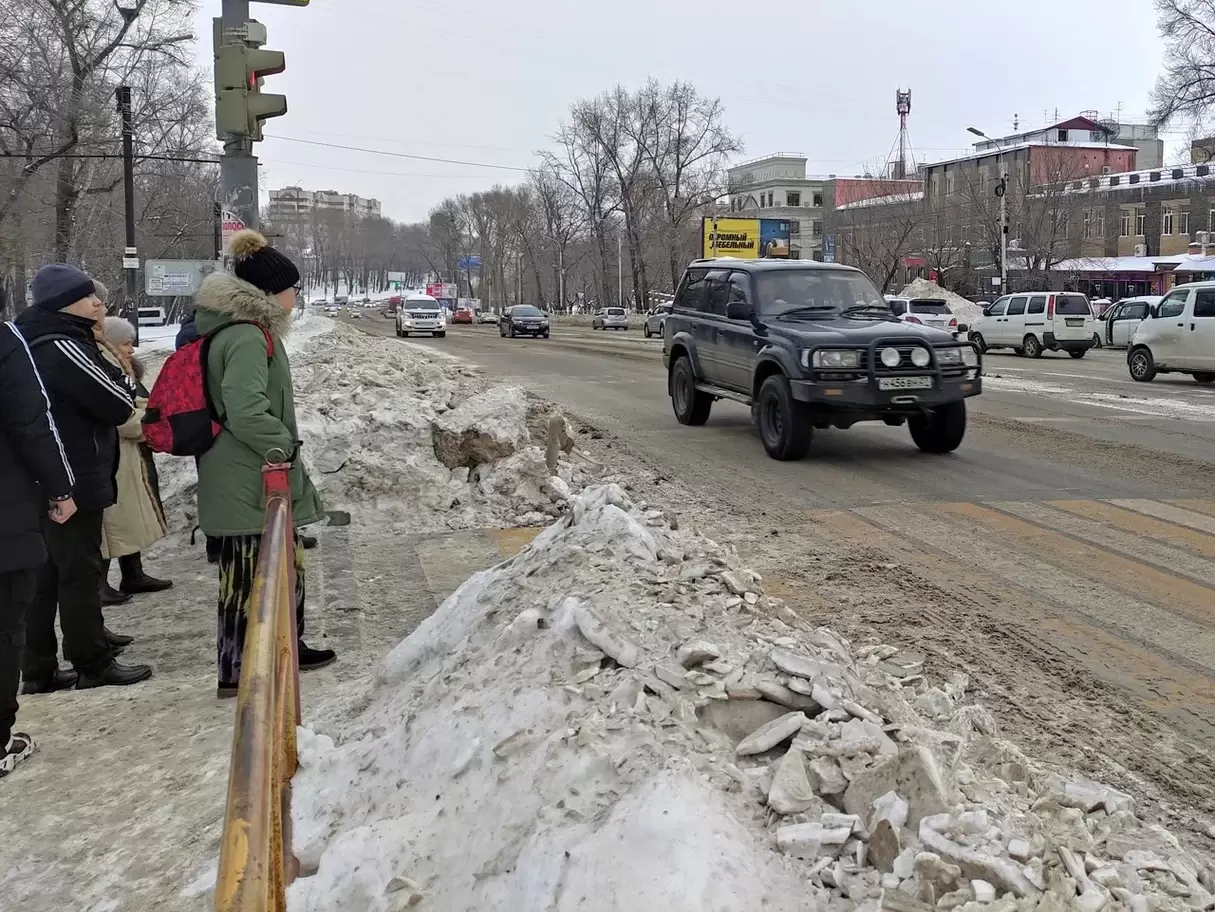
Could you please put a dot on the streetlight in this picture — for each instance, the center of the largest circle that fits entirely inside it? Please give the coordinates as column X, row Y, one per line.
column 1002, row 195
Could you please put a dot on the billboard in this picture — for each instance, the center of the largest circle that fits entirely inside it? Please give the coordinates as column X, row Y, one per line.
column 745, row 238
column 443, row 292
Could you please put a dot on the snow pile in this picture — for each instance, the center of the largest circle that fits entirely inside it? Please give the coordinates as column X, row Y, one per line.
column 417, row 437
column 964, row 310
column 620, row 718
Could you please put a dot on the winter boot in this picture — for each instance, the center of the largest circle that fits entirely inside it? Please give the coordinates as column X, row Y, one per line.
column 213, row 548
column 134, row 580
column 114, row 675
column 60, row 680
column 308, row 542
column 109, row 595
column 20, row 746
column 117, row 641
column 311, row 659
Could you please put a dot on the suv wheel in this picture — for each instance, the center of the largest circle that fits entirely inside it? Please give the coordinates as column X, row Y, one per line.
column 645, row 329
column 1204, row 377
column 784, row 425
column 691, row 406
column 941, row 430
column 1142, row 365
column 1078, row 352
column 1032, row 347
column 979, row 342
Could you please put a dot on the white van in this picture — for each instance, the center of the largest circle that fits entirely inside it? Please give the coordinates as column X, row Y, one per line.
column 1116, row 327
column 1178, row 336
column 1034, row 322
column 151, row 316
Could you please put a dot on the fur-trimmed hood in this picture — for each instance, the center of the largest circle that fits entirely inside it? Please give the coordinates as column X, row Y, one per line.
column 224, row 298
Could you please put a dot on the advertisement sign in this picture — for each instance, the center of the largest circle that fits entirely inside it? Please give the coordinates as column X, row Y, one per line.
column 829, row 248
column 173, row 278
column 228, row 227
column 747, row 239
column 445, row 292
column 470, row 262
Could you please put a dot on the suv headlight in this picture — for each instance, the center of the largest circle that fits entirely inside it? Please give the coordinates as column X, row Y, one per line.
column 833, row 358
column 964, row 356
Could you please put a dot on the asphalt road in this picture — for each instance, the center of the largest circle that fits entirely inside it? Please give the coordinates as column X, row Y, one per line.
column 1063, row 558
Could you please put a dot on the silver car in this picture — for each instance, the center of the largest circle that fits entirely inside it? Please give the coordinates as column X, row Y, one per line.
column 611, row 318
column 656, row 323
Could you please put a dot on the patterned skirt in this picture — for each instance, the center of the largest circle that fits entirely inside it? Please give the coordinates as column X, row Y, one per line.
column 237, row 564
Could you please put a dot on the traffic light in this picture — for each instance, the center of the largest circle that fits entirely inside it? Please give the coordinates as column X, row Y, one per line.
column 240, row 104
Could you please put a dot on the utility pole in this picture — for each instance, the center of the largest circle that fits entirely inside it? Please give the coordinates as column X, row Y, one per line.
column 620, row 269
column 1002, row 193
column 130, row 257
column 560, row 280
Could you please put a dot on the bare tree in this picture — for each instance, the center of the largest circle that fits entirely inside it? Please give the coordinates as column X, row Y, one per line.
column 876, row 234
column 1186, row 88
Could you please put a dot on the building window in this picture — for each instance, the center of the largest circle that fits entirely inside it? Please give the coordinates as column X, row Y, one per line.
column 1211, row 223
column 1141, row 222
column 1099, row 224
column 1169, row 218
column 1062, row 136
column 1125, row 230
column 793, row 199
column 1088, row 224
column 816, row 227
column 769, row 198
column 818, row 201
column 1183, row 222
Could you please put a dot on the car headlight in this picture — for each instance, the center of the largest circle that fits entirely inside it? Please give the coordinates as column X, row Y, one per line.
column 920, row 357
column 833, row 359
column 891, row 357
column 951, row 357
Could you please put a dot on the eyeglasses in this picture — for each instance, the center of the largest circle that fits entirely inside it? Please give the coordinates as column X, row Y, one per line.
column 298, row 288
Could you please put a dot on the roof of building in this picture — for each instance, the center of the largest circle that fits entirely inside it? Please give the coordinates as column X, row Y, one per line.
column 913, row 196
column 1181, row 263
column 1164, row 177
column 1069, row 144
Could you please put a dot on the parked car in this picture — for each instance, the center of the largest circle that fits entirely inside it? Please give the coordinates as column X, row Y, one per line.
column 462, row 315
column 523, row 320
column 810, row 345
column 1178, row 336
column 1031, row 323
column 420, row 313
column 610, row 318
column 487, row 316
column 656, row 322
column 1116, row 327
column 333, row 309
column 932, row 312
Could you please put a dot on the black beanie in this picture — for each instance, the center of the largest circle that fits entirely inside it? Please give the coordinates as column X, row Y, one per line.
column 259, row 264
column 58, row 285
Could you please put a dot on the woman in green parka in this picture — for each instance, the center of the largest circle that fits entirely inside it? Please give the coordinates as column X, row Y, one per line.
column 254, row 402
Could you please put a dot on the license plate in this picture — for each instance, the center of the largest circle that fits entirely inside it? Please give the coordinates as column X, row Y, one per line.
column 1074, row 322
column 904, row 383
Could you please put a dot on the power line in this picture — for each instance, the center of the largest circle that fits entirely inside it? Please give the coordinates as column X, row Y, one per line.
column 113, row 156
column 428, row 158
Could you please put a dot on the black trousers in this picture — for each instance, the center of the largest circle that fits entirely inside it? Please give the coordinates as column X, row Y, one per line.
column 16, row 595
column 70, row 582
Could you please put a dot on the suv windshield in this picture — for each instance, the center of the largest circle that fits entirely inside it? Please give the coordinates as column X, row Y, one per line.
column 929, row 307
column 1072, row 305
column 830, row 291
column 526, row 310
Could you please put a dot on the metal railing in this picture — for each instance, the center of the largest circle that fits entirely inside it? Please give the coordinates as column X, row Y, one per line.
column 255, row 860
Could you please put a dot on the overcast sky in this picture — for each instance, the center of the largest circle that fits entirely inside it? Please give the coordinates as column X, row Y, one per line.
column 487, row 82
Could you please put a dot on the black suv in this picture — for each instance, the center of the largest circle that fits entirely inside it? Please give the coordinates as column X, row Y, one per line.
column 811, row 345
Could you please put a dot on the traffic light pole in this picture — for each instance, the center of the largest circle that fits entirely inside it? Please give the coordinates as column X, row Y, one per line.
column 237, row 164
column 130, row 259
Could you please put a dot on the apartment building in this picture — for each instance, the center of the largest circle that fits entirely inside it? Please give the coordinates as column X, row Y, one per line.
column 776, row 187
column 296, row 203
column 1087, row 128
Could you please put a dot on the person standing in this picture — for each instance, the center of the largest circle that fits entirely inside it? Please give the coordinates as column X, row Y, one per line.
column 137, row 519
column 35, row 482
column 249, row 384
column 90, row 399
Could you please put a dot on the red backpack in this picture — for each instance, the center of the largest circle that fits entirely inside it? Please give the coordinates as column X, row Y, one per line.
column 180, row 418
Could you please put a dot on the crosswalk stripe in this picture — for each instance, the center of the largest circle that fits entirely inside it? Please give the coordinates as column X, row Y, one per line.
column 1165, row 659
column 1083, row 560
column 1163, row 557
column 1169, row 513
column 1175, row 535
column 1206, row 507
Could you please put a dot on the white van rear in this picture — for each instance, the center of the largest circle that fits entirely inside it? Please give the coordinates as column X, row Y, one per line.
column 1034, row 322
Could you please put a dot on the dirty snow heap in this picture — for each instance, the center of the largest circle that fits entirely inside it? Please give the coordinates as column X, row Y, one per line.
column 620, row 718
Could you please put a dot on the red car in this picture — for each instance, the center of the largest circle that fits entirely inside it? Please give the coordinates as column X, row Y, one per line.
column 462, row 315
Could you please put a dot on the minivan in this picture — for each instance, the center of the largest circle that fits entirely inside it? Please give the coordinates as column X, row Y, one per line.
column 1178, row 336
column 1034, row 322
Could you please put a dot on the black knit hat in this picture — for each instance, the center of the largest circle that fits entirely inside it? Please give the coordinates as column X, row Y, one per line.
column 58, row 285
column 259, row 264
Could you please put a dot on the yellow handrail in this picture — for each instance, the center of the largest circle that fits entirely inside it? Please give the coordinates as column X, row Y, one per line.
column 255, row 859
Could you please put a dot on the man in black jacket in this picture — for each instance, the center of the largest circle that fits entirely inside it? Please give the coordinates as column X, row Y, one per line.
column 89, row 399
column 35, row 482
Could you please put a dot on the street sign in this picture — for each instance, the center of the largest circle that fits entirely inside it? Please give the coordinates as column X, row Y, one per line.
column 173, row 278
column 470, row 262
column 130, row 262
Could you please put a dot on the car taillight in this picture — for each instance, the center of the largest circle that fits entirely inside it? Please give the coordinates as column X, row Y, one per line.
column 1050, row 308
column 915, row 320
column 953, row 322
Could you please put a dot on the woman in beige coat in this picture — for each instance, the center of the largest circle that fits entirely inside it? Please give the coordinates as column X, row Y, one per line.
column 137, row 519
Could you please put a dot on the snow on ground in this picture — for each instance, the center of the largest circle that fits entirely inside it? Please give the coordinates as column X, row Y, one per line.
column 620, row 718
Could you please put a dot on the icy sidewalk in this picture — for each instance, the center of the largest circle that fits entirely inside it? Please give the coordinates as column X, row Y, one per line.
column 620, row 718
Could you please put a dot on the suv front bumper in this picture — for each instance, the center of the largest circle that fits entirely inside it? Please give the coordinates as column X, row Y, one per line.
column 864, row 394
